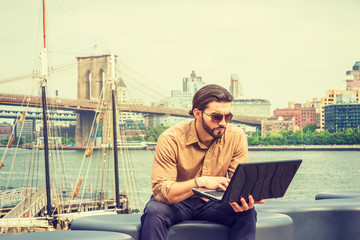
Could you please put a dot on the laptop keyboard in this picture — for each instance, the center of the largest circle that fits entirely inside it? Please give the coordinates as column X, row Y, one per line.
column 215, row 193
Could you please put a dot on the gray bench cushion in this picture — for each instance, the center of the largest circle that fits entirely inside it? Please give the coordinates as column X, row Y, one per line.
column 321, row 220
column 125, row 223
column 269, row 226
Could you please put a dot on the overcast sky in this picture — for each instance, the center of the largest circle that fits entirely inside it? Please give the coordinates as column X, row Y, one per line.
column 281, row 50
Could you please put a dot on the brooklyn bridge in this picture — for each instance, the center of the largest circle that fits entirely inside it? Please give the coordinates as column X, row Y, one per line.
column 90, row 85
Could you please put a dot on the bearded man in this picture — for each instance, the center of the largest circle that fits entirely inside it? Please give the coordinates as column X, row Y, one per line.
column 203, row 152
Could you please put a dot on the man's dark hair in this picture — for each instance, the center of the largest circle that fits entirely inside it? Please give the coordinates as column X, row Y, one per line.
column 210, row 93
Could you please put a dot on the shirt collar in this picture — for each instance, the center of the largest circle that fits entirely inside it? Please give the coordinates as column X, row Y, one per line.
column 193, row 137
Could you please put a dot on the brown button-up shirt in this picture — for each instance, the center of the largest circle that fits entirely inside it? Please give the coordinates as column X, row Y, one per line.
column 180, row 156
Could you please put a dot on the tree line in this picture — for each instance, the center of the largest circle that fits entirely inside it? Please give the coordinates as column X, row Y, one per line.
column 307, row 136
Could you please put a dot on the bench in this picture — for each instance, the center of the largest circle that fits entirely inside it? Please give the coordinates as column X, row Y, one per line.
column 270, row 226
column 322, row 220
column 62, row 235
column 337, row 194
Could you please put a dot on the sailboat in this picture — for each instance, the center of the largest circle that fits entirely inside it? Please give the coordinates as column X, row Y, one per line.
column 57, row 203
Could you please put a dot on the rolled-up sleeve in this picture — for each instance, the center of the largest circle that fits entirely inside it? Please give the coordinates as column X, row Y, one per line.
column 164, row 171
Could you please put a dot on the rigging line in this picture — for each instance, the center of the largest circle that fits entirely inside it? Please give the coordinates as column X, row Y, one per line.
column 14, row 157
column 124, row 165
column 31, row 75
column 79, row 23
column 148, row 91
column 111, row 164
column 132, row 178
column 101, row 162
column 39, row 30
column 31, row 167
column 102, row 174
column 55, row 172
column 11, row 136
column 99, row 107
column 72, row 53
column 142, row 76
column 135, row 80
column 107, row 176
column 129, row 175
column 27, row 161
column 99, row 175
column 17, row 78
column 60, row 157
column 62, row 164
column 63, row 67
column 144, row 92
column 85, row 181
column 54, row 153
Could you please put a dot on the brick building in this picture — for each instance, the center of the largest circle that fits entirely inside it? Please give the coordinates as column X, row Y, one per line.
column 275, row 125
column 303, row 115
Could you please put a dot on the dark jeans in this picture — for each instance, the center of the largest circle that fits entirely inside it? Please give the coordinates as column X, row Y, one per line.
column 158, row 217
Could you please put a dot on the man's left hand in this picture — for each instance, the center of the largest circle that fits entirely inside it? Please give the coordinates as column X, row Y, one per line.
column 245, row 206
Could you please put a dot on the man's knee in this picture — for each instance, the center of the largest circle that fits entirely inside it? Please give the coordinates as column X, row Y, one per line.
column 155, row 211
column 155, row 208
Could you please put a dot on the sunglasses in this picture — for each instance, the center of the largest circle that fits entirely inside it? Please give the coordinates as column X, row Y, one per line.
column 217, row 118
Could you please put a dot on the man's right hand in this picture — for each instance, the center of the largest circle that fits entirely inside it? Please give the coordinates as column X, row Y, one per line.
column 213, row 182
column 181, row 190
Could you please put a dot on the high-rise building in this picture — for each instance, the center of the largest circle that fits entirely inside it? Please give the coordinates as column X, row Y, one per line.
column 353, row 77
column 236, row 87
column 247, row 106
column 331, row 99
column 193, row 83
column 180, row 99
column 343, row 115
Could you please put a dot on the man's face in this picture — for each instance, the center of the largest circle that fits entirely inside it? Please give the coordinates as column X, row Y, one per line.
column 211, row 116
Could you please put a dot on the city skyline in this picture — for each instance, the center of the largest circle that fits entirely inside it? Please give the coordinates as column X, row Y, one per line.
column 280, row 51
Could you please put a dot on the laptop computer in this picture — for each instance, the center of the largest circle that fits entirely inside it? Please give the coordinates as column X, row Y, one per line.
column 263, row 180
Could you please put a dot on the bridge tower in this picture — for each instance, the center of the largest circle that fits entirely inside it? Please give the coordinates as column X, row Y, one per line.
column 93, row 81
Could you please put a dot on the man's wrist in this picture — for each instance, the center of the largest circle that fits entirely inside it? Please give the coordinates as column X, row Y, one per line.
column 196, row 182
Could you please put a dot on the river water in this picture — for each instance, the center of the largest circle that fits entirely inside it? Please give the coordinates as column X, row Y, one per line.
column 320, row 170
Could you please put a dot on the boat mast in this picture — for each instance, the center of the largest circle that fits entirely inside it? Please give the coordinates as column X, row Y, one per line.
column 116, row 167
column 43, row 80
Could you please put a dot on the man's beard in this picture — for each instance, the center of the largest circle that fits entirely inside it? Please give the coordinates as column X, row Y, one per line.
column 211, row 132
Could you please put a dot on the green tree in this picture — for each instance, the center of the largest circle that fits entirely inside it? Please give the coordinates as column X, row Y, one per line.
column 310, row 127
column 135, row 138
column 154, row 133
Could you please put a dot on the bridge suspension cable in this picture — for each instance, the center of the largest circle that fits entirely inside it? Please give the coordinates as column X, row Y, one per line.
column 140, row 83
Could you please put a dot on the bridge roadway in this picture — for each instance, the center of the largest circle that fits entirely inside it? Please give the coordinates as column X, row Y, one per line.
column 62, row 116
column 91, row 105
